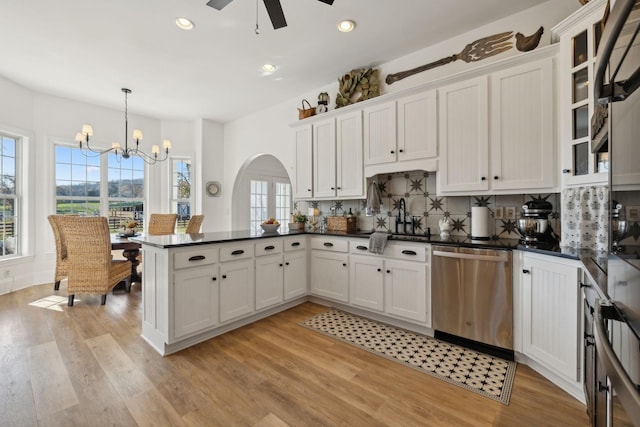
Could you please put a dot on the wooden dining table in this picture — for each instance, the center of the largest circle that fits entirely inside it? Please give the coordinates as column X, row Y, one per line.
column 130, row 250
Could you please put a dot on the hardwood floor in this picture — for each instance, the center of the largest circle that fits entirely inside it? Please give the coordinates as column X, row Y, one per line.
column 86, row 365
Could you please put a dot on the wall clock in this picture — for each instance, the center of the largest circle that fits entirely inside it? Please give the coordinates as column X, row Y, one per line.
column 213, row 188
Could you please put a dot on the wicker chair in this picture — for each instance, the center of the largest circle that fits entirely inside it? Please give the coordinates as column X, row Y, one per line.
column 160, row 224
column 61, row 250
column 194, row 224
column 91, row 269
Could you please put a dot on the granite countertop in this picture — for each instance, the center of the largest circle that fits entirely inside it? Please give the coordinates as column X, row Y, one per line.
column 181, row 240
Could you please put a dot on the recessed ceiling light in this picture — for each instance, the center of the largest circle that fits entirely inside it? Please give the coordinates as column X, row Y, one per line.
column 269, row 68
column 184, row 23
column 346, row 25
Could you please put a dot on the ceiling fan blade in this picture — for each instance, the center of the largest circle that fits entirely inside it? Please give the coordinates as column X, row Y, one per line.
column 218, row 4
column 274, row 9
column 329, row 2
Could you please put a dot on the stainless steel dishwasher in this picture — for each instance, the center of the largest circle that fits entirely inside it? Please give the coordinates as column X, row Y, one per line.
column 472, row 295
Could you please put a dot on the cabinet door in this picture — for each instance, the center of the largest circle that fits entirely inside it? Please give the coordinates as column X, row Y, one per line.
column 195, row 300
column 417, row 126
column 330, row 275
column 550, row 301
column 269, row 281
column 304, row 162
column 324, row 159
column 406, row 289
column 464, row 140
column 522, row 133
column 236, row 289
column 366, row 282
column 380, row 134
column 295, row 274
column 349, row 161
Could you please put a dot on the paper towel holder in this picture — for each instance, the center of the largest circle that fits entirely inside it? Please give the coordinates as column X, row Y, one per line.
column 480, row 223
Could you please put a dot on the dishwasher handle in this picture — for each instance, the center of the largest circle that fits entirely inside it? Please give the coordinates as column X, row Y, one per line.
column 475, row 257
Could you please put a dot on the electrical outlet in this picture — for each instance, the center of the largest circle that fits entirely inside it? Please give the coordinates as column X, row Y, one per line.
column 510, row 212
column 498, row 212
column 633, row 213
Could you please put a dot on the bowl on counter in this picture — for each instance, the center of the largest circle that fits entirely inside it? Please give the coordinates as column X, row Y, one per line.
column 531, row 228
column 270, row 228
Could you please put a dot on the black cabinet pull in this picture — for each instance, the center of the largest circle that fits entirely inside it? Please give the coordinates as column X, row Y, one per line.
column 224, row 276
column 328, row 244
column 566, row 170
column 525, row 271
column 388, row 271
column 269, row 248
column 495, row 177
column 333, row 188
column 339, row 188
column 401, row 150
column 197, row 258
column 409, row 252
column 308, row 189
column 295, row 244
column 344, row 264
column 286, row 263
column 214, row 278
column 237, row 252
column 361, row 248
column 483, row 178
column 280, row 265
column 392, row 152
column 379, row 269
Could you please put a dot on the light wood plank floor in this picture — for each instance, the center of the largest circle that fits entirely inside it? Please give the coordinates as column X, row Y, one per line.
column 87, row 366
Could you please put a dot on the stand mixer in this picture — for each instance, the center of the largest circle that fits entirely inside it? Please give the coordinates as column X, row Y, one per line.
column 534, row 225
column 618, row 227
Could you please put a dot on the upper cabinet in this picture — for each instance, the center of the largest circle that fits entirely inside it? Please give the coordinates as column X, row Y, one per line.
column 579, row 36
column 380, row 144
column 338, row 157
column 303, row 185
column 499, row 139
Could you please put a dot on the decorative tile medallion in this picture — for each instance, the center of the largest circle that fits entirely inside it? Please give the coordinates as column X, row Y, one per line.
column 488, row 376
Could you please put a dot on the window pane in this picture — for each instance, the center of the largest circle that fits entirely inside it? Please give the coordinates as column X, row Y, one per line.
column 283, row 202
column 181, row 191
column 125, row 190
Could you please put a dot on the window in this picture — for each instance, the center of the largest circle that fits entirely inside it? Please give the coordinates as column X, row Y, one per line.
column 9, row 200
column 181, row 191
column 99, row 185
column 269, row 197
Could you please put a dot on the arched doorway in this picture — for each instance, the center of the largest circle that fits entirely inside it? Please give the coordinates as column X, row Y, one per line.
column 262, row 189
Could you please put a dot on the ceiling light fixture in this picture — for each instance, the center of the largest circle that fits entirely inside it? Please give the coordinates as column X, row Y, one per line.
column 184, row 23
column 126, row 152
column 268, row 68
column 346, row 26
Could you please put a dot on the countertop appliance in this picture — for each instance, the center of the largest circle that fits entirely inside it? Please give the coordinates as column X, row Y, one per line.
column 534, row 225
column 472, row 298
column 614, row 389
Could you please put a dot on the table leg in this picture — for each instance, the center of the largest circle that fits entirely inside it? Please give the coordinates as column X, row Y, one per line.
column 132, row 256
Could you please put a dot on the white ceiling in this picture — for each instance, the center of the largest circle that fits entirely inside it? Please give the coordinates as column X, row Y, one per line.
column 88, row 49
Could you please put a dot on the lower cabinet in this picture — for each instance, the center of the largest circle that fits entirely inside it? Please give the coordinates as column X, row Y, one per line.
column 236, row 289
column 295, row 274
column 195, row 300
column 550, row 302
column 366, row 282
column 269, row 281
column 405, row 289
column 330, row 275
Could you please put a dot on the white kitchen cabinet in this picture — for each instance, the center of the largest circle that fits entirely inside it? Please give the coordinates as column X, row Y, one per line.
column 237, row 289
column 338, row 157
column 330, row 268
column 366, row 282
column 504, row 142
column 195, row 296
column 405, row 289
column 295, row 274
column 550, row 301
column 464, row 136
column 269, row 281
column 522, row 127
column 417, row 126
column 380, row 143
column 303, row 179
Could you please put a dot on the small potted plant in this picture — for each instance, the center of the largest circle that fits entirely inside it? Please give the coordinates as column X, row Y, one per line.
column 299, row 219
column 128, row 228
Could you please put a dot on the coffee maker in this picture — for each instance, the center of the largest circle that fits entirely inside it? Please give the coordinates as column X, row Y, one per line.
column 534, row 225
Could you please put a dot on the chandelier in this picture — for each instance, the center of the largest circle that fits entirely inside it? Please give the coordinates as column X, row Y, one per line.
column 82, row 138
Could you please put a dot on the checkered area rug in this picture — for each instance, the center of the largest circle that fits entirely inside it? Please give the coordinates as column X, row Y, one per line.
column 488, row 376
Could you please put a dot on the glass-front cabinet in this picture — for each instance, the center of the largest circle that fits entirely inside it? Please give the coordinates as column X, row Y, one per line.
column 579, row 36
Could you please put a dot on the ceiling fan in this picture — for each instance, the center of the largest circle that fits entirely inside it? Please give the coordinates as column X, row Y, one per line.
column 274, row 9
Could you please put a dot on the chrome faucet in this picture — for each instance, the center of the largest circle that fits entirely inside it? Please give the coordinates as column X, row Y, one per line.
column 402, row 215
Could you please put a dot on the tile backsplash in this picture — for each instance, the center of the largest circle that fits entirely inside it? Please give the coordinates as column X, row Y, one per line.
column 418, row 188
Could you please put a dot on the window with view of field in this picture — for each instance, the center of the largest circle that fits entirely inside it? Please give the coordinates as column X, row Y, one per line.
column 104, row 185
column 269, row 197
column 181, row 170
column 9, row 200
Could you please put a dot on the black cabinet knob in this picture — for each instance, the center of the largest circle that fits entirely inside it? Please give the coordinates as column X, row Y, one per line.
column 286, row 263
column 401, row 151
column 379, row 269
column 525, row 271
column 392, row 152
column 280, row 265
column 224, row 276
column 566, row 170
column 483, row 178
column 495, row 177
column 214, row 278
column 308, row 189
column 388, row 271
column 333, row 188
column 344, row 264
